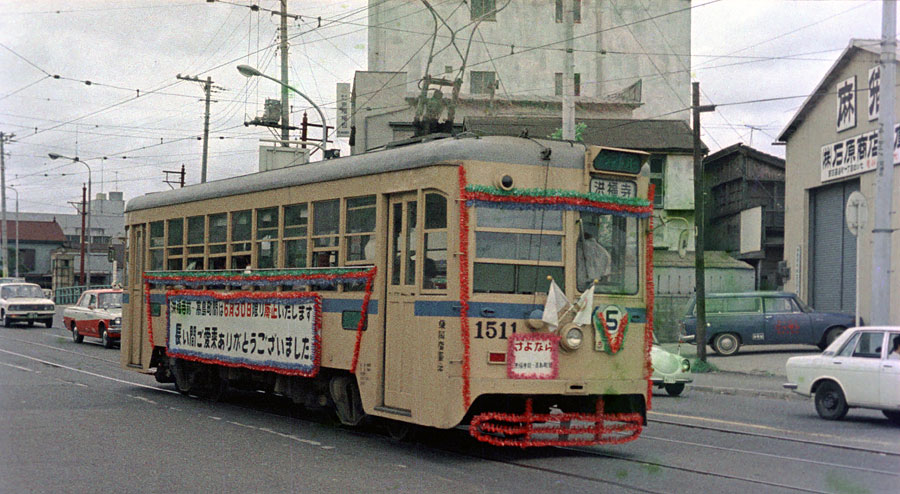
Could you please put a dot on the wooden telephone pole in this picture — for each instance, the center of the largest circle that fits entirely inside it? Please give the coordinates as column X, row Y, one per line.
column 207, row 88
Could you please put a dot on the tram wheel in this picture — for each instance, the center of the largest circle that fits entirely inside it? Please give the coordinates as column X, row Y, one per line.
column 184, row 376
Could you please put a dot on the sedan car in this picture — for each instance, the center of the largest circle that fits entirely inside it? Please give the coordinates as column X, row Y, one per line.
column 859, row 369
column 670, row 371
column 764, row 318
column 24, row 302
column 98, row 313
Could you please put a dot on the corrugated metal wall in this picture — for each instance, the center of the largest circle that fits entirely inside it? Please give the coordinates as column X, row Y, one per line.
column 832, row 281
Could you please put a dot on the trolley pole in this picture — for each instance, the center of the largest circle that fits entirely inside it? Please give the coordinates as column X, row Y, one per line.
column 699, row 221
column 880, row 298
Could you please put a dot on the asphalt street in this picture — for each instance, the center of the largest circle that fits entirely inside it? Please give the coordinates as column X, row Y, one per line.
column 71, row 420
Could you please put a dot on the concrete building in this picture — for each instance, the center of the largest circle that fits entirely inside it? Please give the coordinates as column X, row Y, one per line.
column 107, row 230
column 37, row 241
column 745, row 209
column 831, row 152
column 516, row 49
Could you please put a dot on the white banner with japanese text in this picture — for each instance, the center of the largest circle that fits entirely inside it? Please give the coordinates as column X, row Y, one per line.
column 278, row 332
column 854, row 155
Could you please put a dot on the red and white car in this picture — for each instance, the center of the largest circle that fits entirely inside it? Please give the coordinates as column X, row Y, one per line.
column 98, row 314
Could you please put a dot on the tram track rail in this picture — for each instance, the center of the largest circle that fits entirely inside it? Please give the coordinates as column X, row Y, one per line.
column 761, row 435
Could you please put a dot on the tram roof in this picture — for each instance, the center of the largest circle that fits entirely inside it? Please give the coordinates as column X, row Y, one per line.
column 500, row 149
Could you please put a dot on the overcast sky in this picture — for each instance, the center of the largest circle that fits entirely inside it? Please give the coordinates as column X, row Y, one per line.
column 143, row 120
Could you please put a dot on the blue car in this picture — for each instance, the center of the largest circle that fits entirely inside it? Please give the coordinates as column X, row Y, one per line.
column 763, row 318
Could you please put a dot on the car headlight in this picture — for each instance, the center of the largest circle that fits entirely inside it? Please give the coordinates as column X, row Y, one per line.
column 117, row 321
column 685, row 365
column 571, row 338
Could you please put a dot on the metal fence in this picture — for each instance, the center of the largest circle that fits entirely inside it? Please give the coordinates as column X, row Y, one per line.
column 69, row 295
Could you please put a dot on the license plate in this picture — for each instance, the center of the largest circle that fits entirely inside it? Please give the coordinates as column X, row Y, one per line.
column 32, row 315
column 617, row 188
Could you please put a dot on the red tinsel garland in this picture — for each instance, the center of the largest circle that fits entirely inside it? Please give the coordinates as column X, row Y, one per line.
column 614, row 343
column 464, row 285
column 648, row 328
column 481, row 428
column 369, row 274
column 363, row 316
column 317, row 328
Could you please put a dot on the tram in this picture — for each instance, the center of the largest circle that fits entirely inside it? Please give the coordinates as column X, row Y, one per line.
column 498, row 283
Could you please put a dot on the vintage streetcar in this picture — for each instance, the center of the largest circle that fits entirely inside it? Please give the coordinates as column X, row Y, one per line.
column 499, row 283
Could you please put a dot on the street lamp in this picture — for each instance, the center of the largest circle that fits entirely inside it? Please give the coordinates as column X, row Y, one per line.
column 248, row 71
column 10, row 187
column 54, row 156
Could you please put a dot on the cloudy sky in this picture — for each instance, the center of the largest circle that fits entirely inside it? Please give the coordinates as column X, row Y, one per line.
column 118, row 105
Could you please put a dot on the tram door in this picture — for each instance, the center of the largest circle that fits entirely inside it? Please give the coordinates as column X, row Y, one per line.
column 399, row 336
column 136, row 297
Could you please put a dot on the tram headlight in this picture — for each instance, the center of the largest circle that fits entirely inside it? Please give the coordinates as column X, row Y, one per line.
column 571, row 337
column 685, row 365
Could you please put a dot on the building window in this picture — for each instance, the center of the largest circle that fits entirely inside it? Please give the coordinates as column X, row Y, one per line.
column 658, row 178
column 482, row 82
column 560, row 17
column 558, row 80
column 483, row 9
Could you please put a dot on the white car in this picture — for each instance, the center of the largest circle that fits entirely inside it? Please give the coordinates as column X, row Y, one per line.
column 670, row 371
column 857, row 370
column 25, row 302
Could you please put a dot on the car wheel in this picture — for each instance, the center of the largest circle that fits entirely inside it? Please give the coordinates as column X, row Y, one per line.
column 830, row 401
column 892, row 415
column 7, row 321
column 48, row 323
column 77, row 338
column 830, row 336
column 726, row 344
column 674, row 389
column 104, row 336
column 30, row 324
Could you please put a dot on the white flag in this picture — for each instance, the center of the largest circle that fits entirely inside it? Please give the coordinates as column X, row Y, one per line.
column 556, row 300
column 585, row 307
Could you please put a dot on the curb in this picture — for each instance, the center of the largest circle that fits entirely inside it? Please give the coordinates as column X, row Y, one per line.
column 754, row 393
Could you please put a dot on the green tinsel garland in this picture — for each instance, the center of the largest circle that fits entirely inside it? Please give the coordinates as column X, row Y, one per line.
column 625, row 201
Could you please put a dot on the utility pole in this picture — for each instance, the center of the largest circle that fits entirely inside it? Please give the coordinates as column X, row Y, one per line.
column 880, row 298
column 4, row 138
column 83, row 214
column 568, row 107
column 179, row 174
column 207, row 88
column 699, row 223
column 285, row 104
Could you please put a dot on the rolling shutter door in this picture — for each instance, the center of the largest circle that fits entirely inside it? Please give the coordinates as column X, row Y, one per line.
column 832, row 250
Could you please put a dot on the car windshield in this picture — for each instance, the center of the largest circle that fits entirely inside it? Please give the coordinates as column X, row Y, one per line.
column 836, row 345
column 110, row 300
column 21, row 291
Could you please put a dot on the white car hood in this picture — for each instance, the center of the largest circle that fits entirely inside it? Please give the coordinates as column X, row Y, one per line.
column 29, row 301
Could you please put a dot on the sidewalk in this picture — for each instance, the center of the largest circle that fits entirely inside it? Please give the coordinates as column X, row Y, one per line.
column 756, row 370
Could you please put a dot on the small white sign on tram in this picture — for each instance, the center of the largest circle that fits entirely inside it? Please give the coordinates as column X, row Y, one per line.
column 279, row 335
column 533, row 356
column 616, row 188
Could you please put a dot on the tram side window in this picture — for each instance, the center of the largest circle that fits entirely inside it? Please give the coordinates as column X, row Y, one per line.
column 218, row 236
column 174, row 242
column 360, row 227
column 296, row 221
column 157, row 244
column 240, row 239
column 516, row 250
column 434, row 272
column 266, row 237
column 196, row 233
column 326, row 222
column 607, row 251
